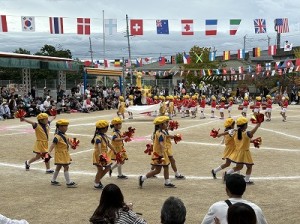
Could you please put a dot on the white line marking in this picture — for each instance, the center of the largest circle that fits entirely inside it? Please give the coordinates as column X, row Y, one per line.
column 136, row 176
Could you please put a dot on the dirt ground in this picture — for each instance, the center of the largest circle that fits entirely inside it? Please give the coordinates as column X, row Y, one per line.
column 29, row 195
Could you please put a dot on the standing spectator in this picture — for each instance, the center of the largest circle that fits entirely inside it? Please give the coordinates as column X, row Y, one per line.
column 237, row 92
column 173, row 211
column 235, row 188
column 113, row 209
column 32, row 92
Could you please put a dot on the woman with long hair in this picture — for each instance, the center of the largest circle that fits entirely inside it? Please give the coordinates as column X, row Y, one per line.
column 113, row 210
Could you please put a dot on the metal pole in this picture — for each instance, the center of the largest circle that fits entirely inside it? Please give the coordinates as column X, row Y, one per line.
column 129, row 51
column 123, row 87
column 103, row 36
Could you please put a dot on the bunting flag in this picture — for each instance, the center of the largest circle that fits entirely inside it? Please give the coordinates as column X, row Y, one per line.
column 297, row 63
column 162, row 61
column 211, row 27
column 186, row 58
column 241, row 53
column 173, row 59
column 217, row 71
column 256, row 52
column 232, row 71
column 288, row 46
column 289, row 64
column 3, row 23
column 127, row 63
column 249, row 68
column 268, row 66
column 224, row 71
column 234, row 25
column 272, row 50
column 209, row 72
column 28, row 23
column 110, row 26
column 282, row 25
column 260, row 26
column 139, row 62
column 117, row 63
column 258, row 68
column 277, row 64
column 187, row 27
column 83, row 26
column 226, row 55
column 56, row 25
column 136, row 27
column 106, row 63
column 212, row 56
column 241, row 70
column 162, row 27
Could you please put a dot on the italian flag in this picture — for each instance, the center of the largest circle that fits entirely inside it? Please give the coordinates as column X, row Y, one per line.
column 234, row 25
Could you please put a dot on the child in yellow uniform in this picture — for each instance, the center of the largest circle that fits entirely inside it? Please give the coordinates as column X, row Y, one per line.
column 160, row 157
column 242, row 155
column 118, row 144
column 62, row 156
column 163, row 107
column 171, row 110
column 101, row 158
column 129, row 103
column 229, row 145
column 41, row 129
column 121, row 107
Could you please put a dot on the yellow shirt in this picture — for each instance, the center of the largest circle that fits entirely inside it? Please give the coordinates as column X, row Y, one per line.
column 100, row 147
column 230, row 146
column 42, row 136
column 242, row 152
column 121, row 108
column 159, row 155
column 62, row 155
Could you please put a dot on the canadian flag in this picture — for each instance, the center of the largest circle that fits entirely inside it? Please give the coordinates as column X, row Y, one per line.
column 187, row 27
column 136, row 27
column 83, row 26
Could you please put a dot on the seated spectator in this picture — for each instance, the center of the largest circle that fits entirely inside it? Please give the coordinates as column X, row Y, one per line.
column 173, row 211
column 47, row 103
column 113, row 209
column 235, row 188
column 5, row 111
column 87, row 104
column 241, row 213
column 6, row 220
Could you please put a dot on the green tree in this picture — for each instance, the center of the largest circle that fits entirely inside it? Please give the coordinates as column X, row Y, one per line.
column 21, row 51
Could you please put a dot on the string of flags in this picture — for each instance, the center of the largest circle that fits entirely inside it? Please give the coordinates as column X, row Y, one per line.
column 56, row 26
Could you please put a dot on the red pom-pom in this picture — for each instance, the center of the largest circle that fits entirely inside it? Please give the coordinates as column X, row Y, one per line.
column 158, row 157
column 74, row 143
column 120, row 156
column 257, row 142
column 259, row 118
column 20, row 113
column 241, row 107
column 128, row 135
column 214, row 133
column 103, row 159
column 149, row 149
column 52, row 112
column 173, row 125
column 177, row 138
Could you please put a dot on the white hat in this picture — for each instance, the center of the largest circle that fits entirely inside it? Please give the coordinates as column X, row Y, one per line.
column 48, row 97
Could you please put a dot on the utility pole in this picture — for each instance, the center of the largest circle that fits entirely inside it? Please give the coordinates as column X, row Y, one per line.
column 278, row 36
column 129, row 50
column 245, row 42
column 91, row 51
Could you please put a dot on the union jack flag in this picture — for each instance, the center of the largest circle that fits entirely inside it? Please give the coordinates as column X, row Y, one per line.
column 260, row 26
column 282, row 25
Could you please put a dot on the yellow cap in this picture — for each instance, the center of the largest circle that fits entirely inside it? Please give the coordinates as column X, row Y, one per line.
column 42, row 116
column 102, row 124
column 286, row 97
column 160, row 120
column 171, row 98
column 121, row 98
column 203, row 96
column 175, row 97
column 186, row 96
column 116, row 120
column 268, row 96
column 149, row 95
column 213, row 98
column 155, row 97
column 241, row 121
column 228, row 122
column 246, row 98
column 194, row 97
column 62, row 122
column 258, row 98
column 131, row 97
column 223, row 98
column 231, row 98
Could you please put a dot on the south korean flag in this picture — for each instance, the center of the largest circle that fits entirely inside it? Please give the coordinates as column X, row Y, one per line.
column 28, row 23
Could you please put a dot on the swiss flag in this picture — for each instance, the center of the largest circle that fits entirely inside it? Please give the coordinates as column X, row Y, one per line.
column 136, row 27
column 83, row 26
column 272, row 50
column 162, row 61
column 187, row 27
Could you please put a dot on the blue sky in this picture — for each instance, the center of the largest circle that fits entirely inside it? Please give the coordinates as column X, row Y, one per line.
column 150, row 44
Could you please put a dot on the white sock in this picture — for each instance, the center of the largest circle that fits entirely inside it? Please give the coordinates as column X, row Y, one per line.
column 230, row 171
column 167, row 181
column 114, row 166
column 119, row 169
column 96, row 184
column 247, row 178
column 55, row 174
column 238, row 172
column 217, row 169
column 177, row 173
column 67, row 177
column 144, row 178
